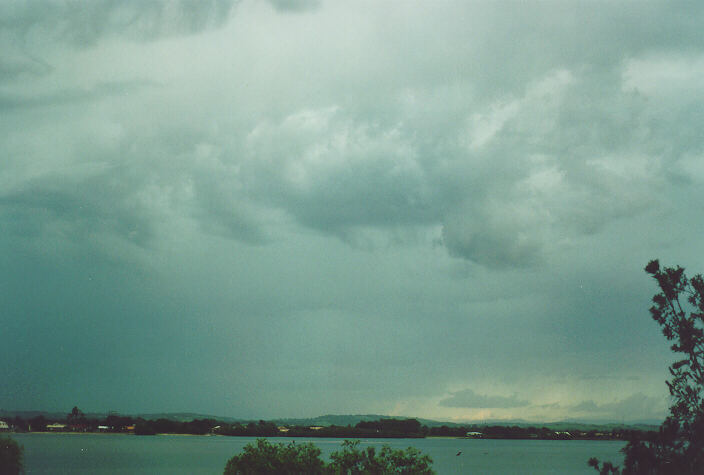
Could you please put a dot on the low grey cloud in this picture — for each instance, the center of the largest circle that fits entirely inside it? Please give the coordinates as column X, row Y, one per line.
column 469, row 399
column 80, row 213
column 633, row 407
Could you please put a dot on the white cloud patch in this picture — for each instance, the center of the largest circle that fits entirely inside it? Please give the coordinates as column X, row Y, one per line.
column 556, row 173
column 675, row 77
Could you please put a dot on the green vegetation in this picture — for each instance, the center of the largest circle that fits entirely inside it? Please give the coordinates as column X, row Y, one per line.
column 11, row 462
column 352, row 460
column 76, row 417
column 266, row 458
column 678, row 447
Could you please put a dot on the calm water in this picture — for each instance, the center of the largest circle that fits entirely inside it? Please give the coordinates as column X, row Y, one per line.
column 128, row 454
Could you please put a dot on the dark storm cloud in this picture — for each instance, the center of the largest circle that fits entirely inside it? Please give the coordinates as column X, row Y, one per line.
column 470, row 399
column 78, row 211
column 16, row 66
column 295, row 5
column 71, row 96
column 83, row 23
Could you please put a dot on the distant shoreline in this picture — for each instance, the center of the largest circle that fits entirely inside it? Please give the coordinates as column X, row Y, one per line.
column 384, row 428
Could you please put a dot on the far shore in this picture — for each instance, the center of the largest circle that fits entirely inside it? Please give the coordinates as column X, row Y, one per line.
column 608, row 439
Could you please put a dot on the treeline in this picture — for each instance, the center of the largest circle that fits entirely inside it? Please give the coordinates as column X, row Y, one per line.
column 167, row 426
column 76, row 421
column 115, row 424
column 383, row 428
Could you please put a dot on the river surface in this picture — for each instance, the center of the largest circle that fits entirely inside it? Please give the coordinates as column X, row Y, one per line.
column 183, row 454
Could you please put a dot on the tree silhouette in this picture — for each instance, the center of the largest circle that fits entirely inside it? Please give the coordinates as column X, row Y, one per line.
column 266, row 458
column 678, row 447
column 76, row 417
column 11, row 462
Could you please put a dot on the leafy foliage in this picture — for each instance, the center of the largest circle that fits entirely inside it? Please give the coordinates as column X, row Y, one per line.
column 11, row 461
column 678, row 447
column 605, row 469
column 352, row 461
column 267, row 458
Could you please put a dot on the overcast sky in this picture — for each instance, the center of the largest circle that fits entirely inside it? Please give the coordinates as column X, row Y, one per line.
column 293, row 208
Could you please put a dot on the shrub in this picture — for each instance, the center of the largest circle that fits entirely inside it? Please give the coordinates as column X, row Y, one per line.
column 352, row 461
column 266, row 458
